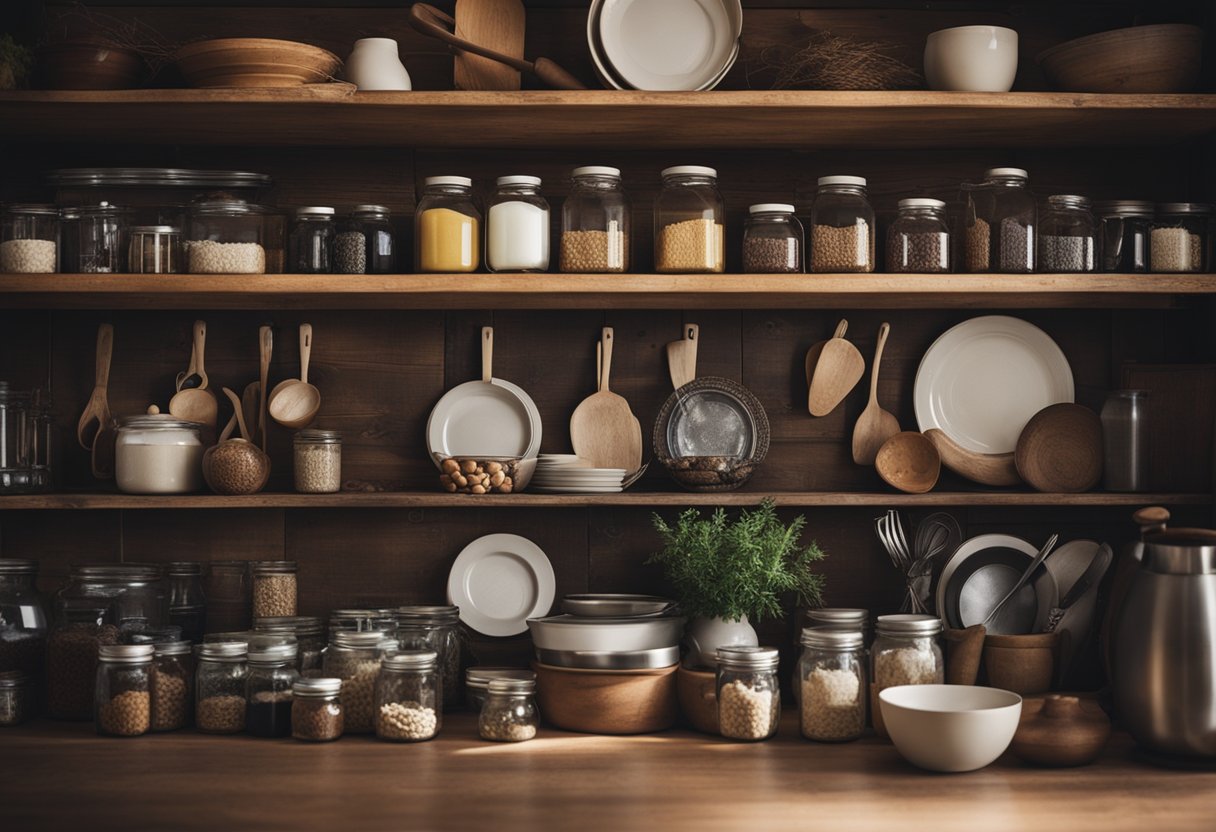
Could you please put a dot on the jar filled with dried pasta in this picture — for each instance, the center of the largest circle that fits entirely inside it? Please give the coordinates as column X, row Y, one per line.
column 595, row 222
column 122, row 698
column 832, row 683
column 355, row 659
column 689, row 222
column 274, row 587
column 749, row 695
column 842, row 226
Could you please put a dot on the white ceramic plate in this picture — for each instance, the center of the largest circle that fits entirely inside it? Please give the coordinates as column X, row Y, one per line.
column 580, row 489
column 669, row 45
column 477, row 419
column 1047, row 598
column 500, row 581
column 982, row 380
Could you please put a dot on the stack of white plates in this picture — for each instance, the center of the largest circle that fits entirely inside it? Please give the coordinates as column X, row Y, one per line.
column 567, row 474
column 664, row 44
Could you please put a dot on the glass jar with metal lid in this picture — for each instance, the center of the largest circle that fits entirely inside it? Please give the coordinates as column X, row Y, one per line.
column 150, row 190
column 268, row 686
column 100, row 238
column 1179, row 240
column 689, row 222
column 275, row 587
column 435, row 628
column 29, row 239
column 447, row 226
column 310, row 244
column 16, row 447
column 842, row 226
column 226, row 236
column 187, row 604
column 15, row 699
column 158, row 454
column 219, row 687
column 1067, row 235
column 43, row 441
column 155, row 249
column 142, row 633
column 839, row 619
column 595, row 223
column 23, row 618
column 772, row 240
column 477, row 682
column 171, row 682
column 832, row 681
column 906, row 651
column 365, row 242
column 749, row 695
column 229, row 596
column 362, row 620
column 318, row 461
column 122, row 697
column 999, row 220
column 517, row 226
column 355, row 659
column 316, row 709
column 1124, row 229
column 409, row 706
column 918, row 241
column 309, row 634
column 509, row 713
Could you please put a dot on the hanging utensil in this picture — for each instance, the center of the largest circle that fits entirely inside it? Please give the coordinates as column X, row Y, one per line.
column 495, row 24
column 265, row 351
column 876, row 425
column 682, row 357
column 603, row 429
column 1030, row 570
column 839, row 368
column 197, row 404
column 97, row 409
column 294, row 403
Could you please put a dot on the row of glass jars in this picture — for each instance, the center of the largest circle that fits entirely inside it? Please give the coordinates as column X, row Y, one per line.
column 27, row 439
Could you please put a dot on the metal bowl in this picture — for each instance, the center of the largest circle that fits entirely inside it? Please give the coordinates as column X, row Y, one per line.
column 605, row 635
column 615, row 605
column 594, row 660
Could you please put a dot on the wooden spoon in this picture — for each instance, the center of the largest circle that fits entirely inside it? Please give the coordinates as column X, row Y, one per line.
column 816, row 350
column 197, row 404
column 265, row 351
column 189, row 377
column 875, row 425
column 1060, row 449
column 986, row 469
column 908, row 461
column 294, row 403
column 839, row 368
column 250, row 398
column 682, row 357
column 97, row 409
column 603, row 430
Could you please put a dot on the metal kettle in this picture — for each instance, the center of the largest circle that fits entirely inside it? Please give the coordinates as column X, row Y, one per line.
column 1163, row 646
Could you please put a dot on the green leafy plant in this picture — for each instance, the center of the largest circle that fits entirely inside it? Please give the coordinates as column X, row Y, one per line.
column 15, row 63
column 731, row 569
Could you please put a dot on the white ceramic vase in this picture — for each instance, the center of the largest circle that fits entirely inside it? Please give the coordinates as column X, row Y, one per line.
column 705, row 635
column 374, row 65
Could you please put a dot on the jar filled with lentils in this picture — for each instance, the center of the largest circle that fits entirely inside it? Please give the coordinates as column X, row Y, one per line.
column 274, row 587
column 689, row 222
column 1124, row 228
column 832, row 682
column 316, row 709
column 318, row 461
column 749, row 695
column 999, row 220
column 172, row 685
column 1067, row 235
column 595, row 223
column 219, row 687
column 409, row 706
column 364, row 243
column 309, row 634
column 355, row 659
column 310, row 244
column 1179, row 240
column 509, row 713
column 918, row 241
column 435, row 628
column 772, row 240
column 122, row 699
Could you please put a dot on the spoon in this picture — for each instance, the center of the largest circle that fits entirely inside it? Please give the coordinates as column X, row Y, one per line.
column 196, row 404
column 1034, row 564
column 294, row 403
column 265, row 350
column 875, row 425
column 908, row 461
column 1092, row 575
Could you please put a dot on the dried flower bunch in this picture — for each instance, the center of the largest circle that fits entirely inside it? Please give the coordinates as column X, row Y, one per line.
column 830, row 62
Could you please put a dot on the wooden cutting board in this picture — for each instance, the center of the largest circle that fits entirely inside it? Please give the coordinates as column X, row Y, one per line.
column 603, row 430
column 497, row 25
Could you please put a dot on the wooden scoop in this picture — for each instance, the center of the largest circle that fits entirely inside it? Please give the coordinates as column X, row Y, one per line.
column 875, row 425
column 603, row 429
column 265, row 351
column 839, row 368
column 682, row 357
column 986, row 469
column 908, row 461
column 97, row 409
column 196, row 404
column 816, row 350
column 294, row 403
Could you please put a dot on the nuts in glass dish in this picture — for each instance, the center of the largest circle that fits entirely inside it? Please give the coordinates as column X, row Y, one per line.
column 462, row 475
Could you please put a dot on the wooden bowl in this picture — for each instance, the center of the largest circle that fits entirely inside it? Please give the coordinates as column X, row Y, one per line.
column 255, row 62
column 82, row 65
column 1022, row 664
column 1060, row 449
column 1141, row 59
column 910, row 462
column 698, row 693
column 607, row 701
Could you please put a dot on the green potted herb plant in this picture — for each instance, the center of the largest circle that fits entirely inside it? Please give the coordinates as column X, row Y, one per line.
column 727, row 573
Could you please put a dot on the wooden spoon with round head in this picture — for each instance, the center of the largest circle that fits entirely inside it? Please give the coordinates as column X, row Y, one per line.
column 196, row 404
column 603, row 429
column 839, row 368
column 908, row 461
column 294, row 403
column 875, row 425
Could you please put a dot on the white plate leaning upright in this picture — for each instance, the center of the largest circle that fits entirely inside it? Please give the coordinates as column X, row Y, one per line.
column 500, row 581
column 670, row 45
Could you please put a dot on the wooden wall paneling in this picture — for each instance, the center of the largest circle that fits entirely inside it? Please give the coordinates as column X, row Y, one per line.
column 240, row 534
column 25, row 359
column 57, row 539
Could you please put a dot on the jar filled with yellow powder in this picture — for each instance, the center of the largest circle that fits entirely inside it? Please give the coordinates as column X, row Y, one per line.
column 447, row 227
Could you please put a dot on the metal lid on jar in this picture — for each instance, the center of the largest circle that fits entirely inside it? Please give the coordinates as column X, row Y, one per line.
column 829, row 639
column 480, row 677
column 1069, row 201
column 18, row 566
column 771, row 208
column 319, row 437
column 231, row 207
column 40, row 209
column 155, row 635
column 504, row 181
column 1006, row 173
column 273, row 652
column 369, row 209
column 920, row 202
column 157, row 177
column 184, row 567
column 440, row 614
column 363, row 639
column 748, row 658
column 154, row 229
column 156, row 421
column 13, row 679
column 596, row 170
column 854, row 181
column 689, row 170
column 315, row 211
column 224, row 650
column 125, row 652
column 840, row 615
column 515, row 686
column 1184, row 208
column 1124, row 208
column 115, row 571
column 908, row 625
column 102, row 209
column 321, row 686
column 301, row 625
column 461, row 181
column 410, row 660
column 272, row 566
column 172, row 648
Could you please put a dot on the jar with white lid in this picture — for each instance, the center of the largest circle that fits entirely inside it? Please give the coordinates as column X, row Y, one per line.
column 447, row 226
column 1067, row 235
column 1124, row 229
column 310, row 244
column 1180, row 237
column 772, row 240
column 999, row 221
column 365, row 242
column 122, row 700
column 477, row 682
column 226, row 236
column 918, row 241
column 517, row 226
column 842, row 226
column 689, row 222
column 317, row 461
column 749, row 695
column 595, row 223
column 219, row 687
column 158, row 454
column 832, row 685
column 29, row 239
column 409, row 705
column 509, row 713
column 154, row 249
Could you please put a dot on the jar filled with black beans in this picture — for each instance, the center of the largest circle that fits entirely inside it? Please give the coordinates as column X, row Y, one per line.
column 364, row 243
column 1067, row 235
column 919, row 239
column 773, row 239
column 310, row 246
column 1124, row 229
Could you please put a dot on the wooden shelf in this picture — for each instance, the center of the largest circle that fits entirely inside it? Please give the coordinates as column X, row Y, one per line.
column 411, row 499
column 594, row 291
column 334, row 115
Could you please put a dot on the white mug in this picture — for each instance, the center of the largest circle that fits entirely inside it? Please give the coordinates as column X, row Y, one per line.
column 972, row 59
column 374, row 65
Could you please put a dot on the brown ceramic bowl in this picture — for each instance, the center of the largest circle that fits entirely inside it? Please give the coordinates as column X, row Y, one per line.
column 607, row 701
column 1141, row 59
column 1022, row 664
column 255, row 62
column 81, row 65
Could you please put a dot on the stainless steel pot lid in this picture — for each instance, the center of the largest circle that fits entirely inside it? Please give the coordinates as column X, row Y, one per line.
column 157, row 177
column 607, row 660
column 615, row 605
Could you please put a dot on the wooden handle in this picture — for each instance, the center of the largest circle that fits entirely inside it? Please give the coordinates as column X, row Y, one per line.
column 105, row 351
column 986, row 469
column 226, row 433
column 606, row 340
column 236, row 406
column 305, row 350
column 1151, row 519
column 487, row 353
column 692, row 333
column 841, row 328
column 599, row 362
column 883, row 332
column 265, row 352
column 200, row 346
column 552, row 75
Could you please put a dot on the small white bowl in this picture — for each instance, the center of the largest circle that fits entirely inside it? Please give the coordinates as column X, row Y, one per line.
column 950, row 727
column 972, row 59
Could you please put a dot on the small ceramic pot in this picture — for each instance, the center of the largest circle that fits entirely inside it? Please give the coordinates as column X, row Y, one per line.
column 705, row 635
column 698, row 693
column 1059, row 731
column 374, row 65
column 972, row 59
column 1022, row 664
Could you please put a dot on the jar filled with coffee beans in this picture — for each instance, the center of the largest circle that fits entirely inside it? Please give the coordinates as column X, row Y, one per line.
column 1067, row 235
column 274, row 587
column 172, row 685
column 919, row 239
column 316, row 709
column 842, row 226
column 689, row 222
column 409, row 706
column 219, row 687
column 595, row 223
column 123, row 698
column 749, row 695
column 364, row 242
column 772, row 240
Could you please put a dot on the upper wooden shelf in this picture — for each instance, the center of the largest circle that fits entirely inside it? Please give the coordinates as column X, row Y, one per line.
column 333, row 115
column 598, row 291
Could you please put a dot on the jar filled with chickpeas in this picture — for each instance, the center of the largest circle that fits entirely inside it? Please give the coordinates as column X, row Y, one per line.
column 842, row 226
column 749, row 695
column 355, row 659
column 689, row 222
column 409, row 706
column 122, row 701
column 832, row 681
column 436, row 628
column 274, row 587
column 595, row 223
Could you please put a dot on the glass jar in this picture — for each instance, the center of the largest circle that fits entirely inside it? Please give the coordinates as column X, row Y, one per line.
column 832, row 683
column 1125, row 439
column 141, row 633
column 517, row 226
column 23, row 619
column 509, row 713
column 16, row 441
column 772, row 240
column 228, row 595
column 1124, row 228
column 29, row 239
column 316, row 709
column 1179, row 240
column 689, row 222
column 219, row 687
column 158, row 454
column 355, row 659
column 172, row 685
column 749, row 695
column 154, row 249
column 595, row 223
column 274, row 587
column 409, row 706
column 268, row 685
column 842, row 226
column 435, row 628
column 477, row 682
column 364, row 244
column 1067, row 234
column 310, row 245
column 44, row 441
column 187, row 604
column 906, row 651
column 318, row 461
column 918, row 241
column 15, row 699
column 122, row 697
column 226, row 236
column 447, row 227
column 358, row 621
column 839, row 619
column 100, row 238
column 999, row 219
column 309, row 634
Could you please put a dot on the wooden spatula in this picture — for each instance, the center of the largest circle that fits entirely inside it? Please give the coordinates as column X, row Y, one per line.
column 816, row 350
column 875, row 425
column 603, row 429
column 682, row 357
column 839, row 368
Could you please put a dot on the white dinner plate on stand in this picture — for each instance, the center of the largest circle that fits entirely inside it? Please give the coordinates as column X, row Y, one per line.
column 500, row 581
column 479, row 419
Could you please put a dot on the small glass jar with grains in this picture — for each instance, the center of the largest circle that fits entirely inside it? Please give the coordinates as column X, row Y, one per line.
column 842, row 226
column 772, row 240
column 154, row 249
column 309, row 634
column 409, row 706
column 316, row 709
column 272, row 673
column 15, row 698
column 226, row 236
column 689, row 222
column 29, row 239
column 310, row 243
column 435, row 628
column 172, row 685
column 1124, row 228
column 158, row 454
column 447, row 226
column 509, row 713
column 219, row 687
column 100, row 243
column 749, row 695
column 517, row 226
column 318, row 461
column 274, row 587
column 832, row 684
column 999, row 220
column 477, row 682
column 905, row 652
column 365, row 243
column 355, row 659
column 1179, row 241
column 595, row 223
column 122, row 698
column 918, row 241
column 1067, row 235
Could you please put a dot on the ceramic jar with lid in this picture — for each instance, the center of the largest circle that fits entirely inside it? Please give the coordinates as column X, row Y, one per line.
column 689, row 222
column 317, row 461
column 29, row 239
column 509, row 713
column 842, row 226
column 122, row 699
column 918, row 241
column 447, row 226
column 310, row 243
column 219, row 687
column 435, row 628
column 409, row 705
column 1179, row 241
column 158, row 454
column 832, row 680
column 1067, row 235
column 517, row 226
column 749, row 695
column 316, row 709
column 1124, row 229
column 365, row 242
column 772, row 240
column 999, row 221
column 595, row 222
column 226, row 236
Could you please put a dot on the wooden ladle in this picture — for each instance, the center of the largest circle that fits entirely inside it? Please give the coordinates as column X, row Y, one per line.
column 908, row 461
column 875, row 425
column 294, row 403
column 196, row 404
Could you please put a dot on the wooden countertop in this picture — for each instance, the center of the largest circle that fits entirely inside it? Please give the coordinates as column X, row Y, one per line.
column 62, row 776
